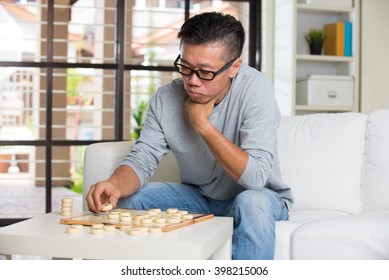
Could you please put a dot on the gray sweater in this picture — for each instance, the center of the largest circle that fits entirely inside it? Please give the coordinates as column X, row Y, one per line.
column 248, row 116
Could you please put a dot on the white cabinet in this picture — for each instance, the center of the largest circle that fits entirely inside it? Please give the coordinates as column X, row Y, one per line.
column 292, row 60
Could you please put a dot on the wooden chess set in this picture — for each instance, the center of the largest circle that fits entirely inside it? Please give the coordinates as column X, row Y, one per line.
column 133, row 221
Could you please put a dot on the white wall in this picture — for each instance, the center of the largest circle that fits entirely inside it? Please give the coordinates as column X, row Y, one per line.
column 268, row 37
column 284, row 49
column 374, row 55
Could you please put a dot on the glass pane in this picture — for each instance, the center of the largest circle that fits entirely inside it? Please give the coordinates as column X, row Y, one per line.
column 83, row 104
column 152, row 27
column 22, row 103
column 67, row 170
column 151, row 31
column 22, row 181
column 84, row 31
column 138, row 88
column 25, row 42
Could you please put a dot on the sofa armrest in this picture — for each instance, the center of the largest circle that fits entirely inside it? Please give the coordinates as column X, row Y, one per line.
column 101, row 159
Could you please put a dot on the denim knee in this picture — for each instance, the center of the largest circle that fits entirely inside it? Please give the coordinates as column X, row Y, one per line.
column 261, row 202
column 250, row 200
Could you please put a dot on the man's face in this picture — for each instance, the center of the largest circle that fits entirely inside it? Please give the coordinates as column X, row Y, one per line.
column 206, row 57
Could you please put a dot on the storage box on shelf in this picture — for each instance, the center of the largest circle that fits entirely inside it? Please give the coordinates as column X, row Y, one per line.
column 320, row 90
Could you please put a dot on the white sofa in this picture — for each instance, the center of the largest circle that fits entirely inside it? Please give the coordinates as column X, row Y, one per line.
column 338, row 168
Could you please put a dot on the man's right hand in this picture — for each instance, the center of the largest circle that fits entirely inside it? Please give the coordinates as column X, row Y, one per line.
column 100, row 193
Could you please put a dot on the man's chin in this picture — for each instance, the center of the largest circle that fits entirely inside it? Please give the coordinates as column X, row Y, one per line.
column 198, row 100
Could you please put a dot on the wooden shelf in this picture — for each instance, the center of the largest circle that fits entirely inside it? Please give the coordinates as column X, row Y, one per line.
column 323, row 108
column 323, row 9
column 324, row 58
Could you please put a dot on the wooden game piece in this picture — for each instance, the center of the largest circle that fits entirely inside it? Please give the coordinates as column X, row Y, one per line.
column 67, row 200
column 124, row 214
column 109, row 227
column 67, row 213
column 153, row 214
column 173, row 221
column 125, row 219
column 97, row 231
column 125, row 228
column 66, row 209
column 106, row 207
column 143, row 229
column 146, row 221
column 135, row 232
column 72, row 230
column 176, row 216
column 182, row 212
column 66, row 205
column 79, row 227
column 97, row 226
column 155, row 210
column 172, row 210
column 113, row 216
column 155, row 229
column 138, row 217
column 160, row 220
column 187, row 217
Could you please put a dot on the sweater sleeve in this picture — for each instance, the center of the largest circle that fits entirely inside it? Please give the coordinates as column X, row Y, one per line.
column 151, row 146
column 258, row 135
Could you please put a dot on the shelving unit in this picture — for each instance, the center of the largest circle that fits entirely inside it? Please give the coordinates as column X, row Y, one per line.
column 292, row 58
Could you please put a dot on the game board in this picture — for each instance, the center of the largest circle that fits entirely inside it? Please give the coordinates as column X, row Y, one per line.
column 93, row 218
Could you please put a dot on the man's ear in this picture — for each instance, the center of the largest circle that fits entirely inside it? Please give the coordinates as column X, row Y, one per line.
column 235, row 67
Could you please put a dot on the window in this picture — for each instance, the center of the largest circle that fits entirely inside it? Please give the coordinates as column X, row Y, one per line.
column 74, row 73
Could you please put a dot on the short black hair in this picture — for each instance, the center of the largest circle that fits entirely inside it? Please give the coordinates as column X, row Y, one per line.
column 214, row 27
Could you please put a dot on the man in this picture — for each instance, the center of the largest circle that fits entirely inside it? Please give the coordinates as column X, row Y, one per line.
column 220, row 121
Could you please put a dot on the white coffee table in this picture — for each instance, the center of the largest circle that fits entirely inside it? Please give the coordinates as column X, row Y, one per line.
column 45, row 236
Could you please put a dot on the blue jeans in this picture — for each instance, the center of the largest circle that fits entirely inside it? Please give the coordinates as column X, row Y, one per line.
column 254, row 211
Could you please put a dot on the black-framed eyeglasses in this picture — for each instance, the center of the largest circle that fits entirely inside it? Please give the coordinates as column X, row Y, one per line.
column 201, row 74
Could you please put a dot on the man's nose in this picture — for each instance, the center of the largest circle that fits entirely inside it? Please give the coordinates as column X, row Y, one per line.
column 194, row 79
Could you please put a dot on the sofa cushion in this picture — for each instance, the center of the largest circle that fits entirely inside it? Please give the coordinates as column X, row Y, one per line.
column 375, row 184
column 362, row 236
column 284, row 229
column 321, row 158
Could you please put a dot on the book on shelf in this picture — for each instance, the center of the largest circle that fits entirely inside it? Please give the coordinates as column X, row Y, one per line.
column 347, row 38
column 334, row 39
column 338, row 39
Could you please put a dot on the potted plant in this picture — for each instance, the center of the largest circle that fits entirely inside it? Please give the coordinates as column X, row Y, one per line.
column 315, row 39
column 139, row 117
